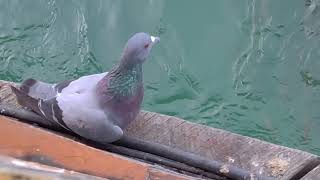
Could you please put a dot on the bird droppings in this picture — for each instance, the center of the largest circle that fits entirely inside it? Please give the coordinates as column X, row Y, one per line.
column 261, row 171
column 230, row 159
column 252, row 177
column 277, row 166
column 224, row 169
column 255, row 164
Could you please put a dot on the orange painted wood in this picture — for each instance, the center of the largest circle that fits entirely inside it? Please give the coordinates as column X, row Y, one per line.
column 22, row 140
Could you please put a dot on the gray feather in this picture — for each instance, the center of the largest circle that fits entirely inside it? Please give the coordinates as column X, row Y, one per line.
column 38, row 89
column 48, row 109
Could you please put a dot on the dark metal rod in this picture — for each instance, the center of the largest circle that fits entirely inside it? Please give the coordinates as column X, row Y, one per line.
column 154, row 159
column 189, row 159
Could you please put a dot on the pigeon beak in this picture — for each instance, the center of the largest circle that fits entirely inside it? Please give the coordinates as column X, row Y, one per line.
column 155, row 39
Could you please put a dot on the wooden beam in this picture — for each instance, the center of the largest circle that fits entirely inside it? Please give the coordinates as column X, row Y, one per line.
column 31, row 143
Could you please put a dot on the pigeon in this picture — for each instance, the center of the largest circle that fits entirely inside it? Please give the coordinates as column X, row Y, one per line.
column 99, row 106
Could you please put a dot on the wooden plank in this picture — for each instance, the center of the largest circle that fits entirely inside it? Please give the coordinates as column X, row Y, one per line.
column 28, row 142
column 248, row 153
column 312, row 175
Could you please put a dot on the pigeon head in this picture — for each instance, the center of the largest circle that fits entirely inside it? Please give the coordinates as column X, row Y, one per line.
column 138, row 48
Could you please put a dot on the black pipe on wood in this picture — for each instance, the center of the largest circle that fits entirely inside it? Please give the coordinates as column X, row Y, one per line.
column 150, row 150
column 151, row 158
column 191, row 159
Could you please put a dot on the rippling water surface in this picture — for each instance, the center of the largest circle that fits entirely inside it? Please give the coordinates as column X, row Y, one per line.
column 247, row 66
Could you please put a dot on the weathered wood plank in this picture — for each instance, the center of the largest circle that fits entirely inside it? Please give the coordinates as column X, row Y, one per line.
column 248, row 153
column 244, row 152
column 313, row 175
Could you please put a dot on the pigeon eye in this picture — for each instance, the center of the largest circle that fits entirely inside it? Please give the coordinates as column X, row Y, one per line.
column 146, row 46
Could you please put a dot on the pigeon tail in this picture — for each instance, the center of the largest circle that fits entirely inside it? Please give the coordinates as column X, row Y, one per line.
column 47, row 109
column 27, row 84
column 25, row 100
column 38, row 89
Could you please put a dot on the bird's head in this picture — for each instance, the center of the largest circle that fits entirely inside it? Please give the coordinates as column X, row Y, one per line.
column 138, row 47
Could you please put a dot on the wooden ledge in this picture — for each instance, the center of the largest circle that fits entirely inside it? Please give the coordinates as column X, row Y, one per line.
column 27, row 142
column 254, row 155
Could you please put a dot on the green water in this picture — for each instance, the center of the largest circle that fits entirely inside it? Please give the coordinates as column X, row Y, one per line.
column 247, row 66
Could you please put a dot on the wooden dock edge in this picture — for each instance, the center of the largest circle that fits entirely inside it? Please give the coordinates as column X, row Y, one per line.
column 244, row 152
column 30, row 143
column 248, row 153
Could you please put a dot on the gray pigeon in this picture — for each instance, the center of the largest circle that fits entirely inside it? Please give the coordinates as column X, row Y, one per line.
column 98, row 106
